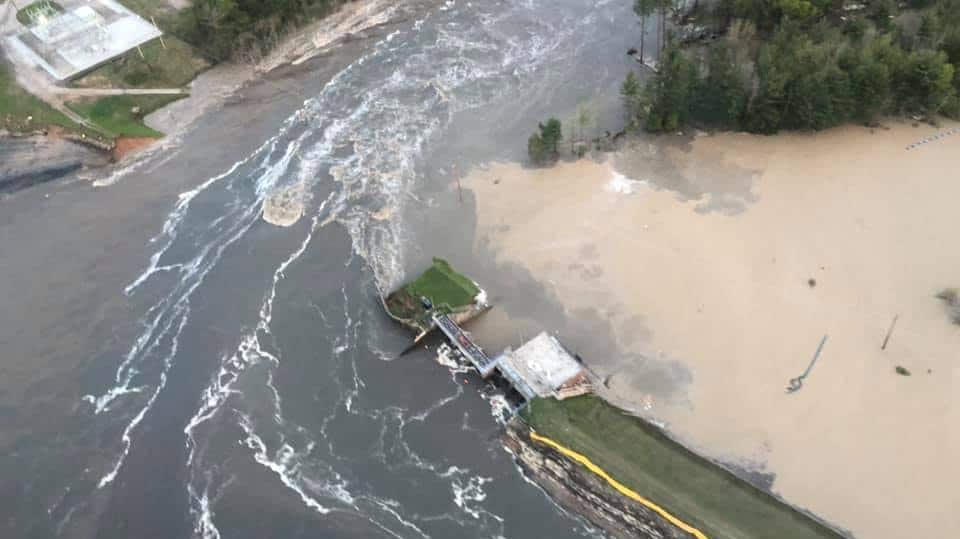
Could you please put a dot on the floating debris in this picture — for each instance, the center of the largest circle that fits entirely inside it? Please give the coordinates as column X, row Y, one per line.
column 797, row 383
column 284, row 207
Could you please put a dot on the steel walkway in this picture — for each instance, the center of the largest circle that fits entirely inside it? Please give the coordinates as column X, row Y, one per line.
column 483, row 363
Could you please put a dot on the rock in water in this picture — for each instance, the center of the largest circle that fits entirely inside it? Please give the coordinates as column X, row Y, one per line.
column 284, row 207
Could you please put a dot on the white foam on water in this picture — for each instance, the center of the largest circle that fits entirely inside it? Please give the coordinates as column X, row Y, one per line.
column 391, row 116
column 470, row 492
column 391, row 507
column 481, row 297
column 288, row 476
column 623, row 185
column 500, row 407
column 388, row 132
column 422, row 416
column 445, row 356
column 249, row 353
column 192, row 274
column 125, row 438
column 204, row 526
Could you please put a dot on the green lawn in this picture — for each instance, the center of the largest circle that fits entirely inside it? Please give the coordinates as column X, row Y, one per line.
column 446, row 288
column 114, row 114
column 640, row 456
column 16, row 106
column 173, row 66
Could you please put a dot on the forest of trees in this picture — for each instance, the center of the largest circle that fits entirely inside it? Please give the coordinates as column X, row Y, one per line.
column 245, row 29
column 805, row 64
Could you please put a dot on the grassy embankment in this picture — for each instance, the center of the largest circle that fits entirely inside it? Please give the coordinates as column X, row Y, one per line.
column 446, row 289
column 641, row 457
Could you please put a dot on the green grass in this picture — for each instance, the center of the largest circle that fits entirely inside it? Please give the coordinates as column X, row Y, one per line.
column 640, row 456
column 16, row 106
column 171, row 67
column 114, row 114
column 446, row 289
column 444, row 286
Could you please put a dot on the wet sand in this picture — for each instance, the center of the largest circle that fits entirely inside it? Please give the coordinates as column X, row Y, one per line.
column 700, row 254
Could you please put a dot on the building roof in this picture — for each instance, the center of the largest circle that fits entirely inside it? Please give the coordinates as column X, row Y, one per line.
column 539, row 367
column 85, row 34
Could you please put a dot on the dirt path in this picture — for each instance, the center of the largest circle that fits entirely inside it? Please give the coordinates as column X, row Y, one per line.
column 84, row 92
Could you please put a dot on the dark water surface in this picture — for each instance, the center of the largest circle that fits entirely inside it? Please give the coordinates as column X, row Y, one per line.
column 173, row 366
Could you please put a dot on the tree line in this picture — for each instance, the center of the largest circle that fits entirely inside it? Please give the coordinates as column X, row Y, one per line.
column 805, row 64
column 244, row 29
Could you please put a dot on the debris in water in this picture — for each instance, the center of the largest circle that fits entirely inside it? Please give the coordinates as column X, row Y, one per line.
column 951, row 296
column 797, row 383
column 284, row 207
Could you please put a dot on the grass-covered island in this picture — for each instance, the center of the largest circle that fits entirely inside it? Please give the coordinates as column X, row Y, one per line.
column 446, row 290
column 640, row 456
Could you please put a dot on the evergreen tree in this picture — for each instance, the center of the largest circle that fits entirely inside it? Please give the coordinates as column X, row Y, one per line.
column 722, row 95
column 668, row 92
column 643, row 8
column 870, row 84
column 630, row 93
column 763, row 114
column 544, row 147
column 537, row 150
column 552, row 133
column 806, row 64
column 928, row 82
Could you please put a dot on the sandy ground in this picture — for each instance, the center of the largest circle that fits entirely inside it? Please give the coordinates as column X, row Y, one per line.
column 700, row 255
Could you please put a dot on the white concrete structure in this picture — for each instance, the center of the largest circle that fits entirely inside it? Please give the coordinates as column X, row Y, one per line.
column 86, row 34
column 542, row 367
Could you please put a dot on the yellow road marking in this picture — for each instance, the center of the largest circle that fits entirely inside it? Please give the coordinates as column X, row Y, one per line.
column 622, row 489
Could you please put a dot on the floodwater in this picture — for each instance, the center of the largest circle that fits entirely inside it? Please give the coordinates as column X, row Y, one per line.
column 173, row 366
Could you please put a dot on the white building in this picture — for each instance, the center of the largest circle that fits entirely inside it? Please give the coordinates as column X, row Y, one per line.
column 542, row 367
column 84, row 34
